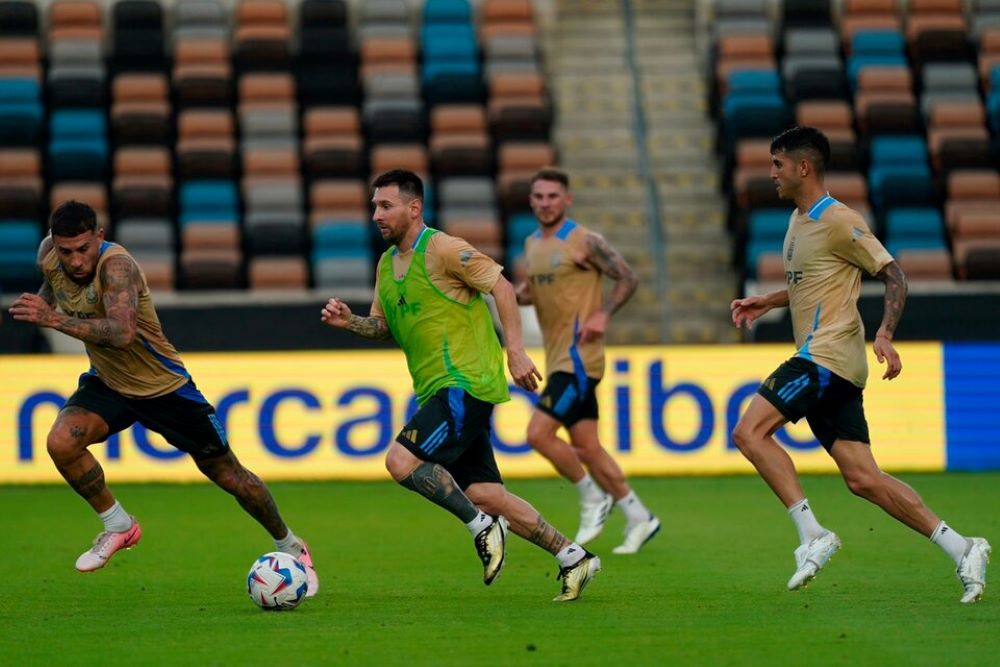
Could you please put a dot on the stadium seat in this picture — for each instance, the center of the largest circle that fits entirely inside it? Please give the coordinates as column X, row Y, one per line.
column 21, row 112
column 19, row 241
column 143, row 184
column 21, row 185
column 140, row 111
column 287, row 273
column 915, row 229
column 18, row 17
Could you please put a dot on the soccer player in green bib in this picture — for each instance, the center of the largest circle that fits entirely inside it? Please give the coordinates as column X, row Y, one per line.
column 428, row 297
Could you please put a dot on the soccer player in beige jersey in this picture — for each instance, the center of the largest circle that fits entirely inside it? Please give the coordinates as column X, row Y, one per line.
column 135, row 375
column 826, row 247
column 566, row 264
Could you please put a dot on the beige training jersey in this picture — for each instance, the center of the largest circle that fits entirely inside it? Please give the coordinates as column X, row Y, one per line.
column 566, row 291
column 824, row 252
column 457, row 269
column 149, row 366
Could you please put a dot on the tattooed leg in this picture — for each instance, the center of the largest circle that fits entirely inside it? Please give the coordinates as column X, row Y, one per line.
column 248, row 489
column 525, row 521
column 76, row 429
column 436, row 484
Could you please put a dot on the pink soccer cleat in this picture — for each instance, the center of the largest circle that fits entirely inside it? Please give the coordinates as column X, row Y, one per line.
column 312, row 580
column 105, row 546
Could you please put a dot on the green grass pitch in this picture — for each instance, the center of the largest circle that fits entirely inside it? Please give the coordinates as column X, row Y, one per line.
column 401, row 584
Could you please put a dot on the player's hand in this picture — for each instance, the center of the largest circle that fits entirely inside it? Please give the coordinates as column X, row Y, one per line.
column 746, row 311
column 523, row 369
column 886, row 353
column 31, row 308
column 594, row 328
column 335, row 313
column 523, row 294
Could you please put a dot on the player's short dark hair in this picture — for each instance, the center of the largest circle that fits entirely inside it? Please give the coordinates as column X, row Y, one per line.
column 551, row 174
column 806, row 140
column 409, row 184
column 72, row 218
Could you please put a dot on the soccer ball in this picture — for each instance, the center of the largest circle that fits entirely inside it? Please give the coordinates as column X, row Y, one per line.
column 277, row 581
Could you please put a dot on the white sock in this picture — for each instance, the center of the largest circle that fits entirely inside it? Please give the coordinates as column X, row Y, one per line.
column 570, row 555
column 589, row 491
column 952, row 542
column 805, row 521
column 482, row 521
column 116, row 519
column 290, row 544
column 633, row 508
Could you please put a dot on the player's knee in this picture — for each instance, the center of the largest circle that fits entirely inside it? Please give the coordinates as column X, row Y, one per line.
column 63, row 445
column 487, row 497
column 538, row 435
column 398, row 465
column 743, row 437
column 863, row 484
column 223, row 476
column 587, row 452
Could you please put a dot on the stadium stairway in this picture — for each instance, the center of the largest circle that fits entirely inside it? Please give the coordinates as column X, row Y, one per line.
column 700, row 281
column 634, row 134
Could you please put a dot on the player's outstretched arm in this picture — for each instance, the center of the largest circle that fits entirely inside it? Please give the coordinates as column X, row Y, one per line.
column 120, row 277
column 522, row 368
column 892, row 311
column 749, row 309
column 338, row 314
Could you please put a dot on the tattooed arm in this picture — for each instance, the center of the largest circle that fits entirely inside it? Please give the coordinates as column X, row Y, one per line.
column 45, row 291
column 369, row 327
column 120, row 277
column 895, row 299
column 336, row 313
column 610, row 263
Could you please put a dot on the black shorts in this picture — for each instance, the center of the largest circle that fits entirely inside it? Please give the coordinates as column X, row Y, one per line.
column 833, row 406
column 183, row 417
column 453, row 428
column 569, row 398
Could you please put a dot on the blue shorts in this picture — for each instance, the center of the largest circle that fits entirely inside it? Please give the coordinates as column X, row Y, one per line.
column 833, row 406
column 183, row 417
column 453, row 429
column 568, row 400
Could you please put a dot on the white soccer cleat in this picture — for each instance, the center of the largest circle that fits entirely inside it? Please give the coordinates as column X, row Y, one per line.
column 593, row 516
column 972, row 569
column 637, row 535
column 810, row 558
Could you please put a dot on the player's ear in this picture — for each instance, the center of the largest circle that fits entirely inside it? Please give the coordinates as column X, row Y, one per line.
column 416, row 207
